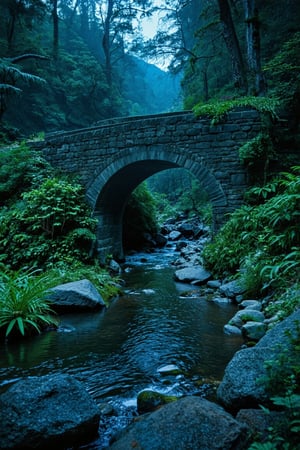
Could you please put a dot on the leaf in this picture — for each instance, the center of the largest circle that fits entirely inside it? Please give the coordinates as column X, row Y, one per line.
column 10, row 327
column 33, row 324
column 21, row 325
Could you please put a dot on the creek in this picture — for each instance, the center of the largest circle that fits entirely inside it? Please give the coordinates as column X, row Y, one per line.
column 117, row 352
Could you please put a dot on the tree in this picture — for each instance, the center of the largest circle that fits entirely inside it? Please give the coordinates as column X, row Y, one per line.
column 174, row 39
column 207, row 70
column 10, row 75
column 117, row 19
column 55, row 20
column 20, row 13
column 233, row 46
column 253, row 46
column 107, row 40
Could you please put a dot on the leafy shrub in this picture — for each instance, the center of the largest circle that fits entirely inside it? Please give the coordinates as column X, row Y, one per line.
column 217, row 109
column 262, row 240
column 233, row 242
column 140, row 217
column 256, row 155
column 164, row 207
column 52, row 223
column 285, row 302
column 20, row 169
column 283, row 71
column 194, row 200
column 259, row 194
column 24, row 308
column 283, row 384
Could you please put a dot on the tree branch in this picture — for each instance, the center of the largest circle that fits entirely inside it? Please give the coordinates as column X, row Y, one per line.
column 27, row 56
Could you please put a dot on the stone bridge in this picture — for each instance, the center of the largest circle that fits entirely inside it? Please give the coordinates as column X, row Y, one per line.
column 113, row 157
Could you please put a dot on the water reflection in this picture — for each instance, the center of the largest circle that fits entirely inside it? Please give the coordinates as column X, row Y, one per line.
column 117, row 352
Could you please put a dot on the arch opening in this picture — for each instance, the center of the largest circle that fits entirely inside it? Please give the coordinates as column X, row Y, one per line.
column 112, row 187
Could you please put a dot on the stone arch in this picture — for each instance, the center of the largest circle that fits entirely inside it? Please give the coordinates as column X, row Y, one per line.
column 112, row 185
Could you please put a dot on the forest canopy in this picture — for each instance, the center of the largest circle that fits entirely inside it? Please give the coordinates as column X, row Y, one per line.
column 66, row 64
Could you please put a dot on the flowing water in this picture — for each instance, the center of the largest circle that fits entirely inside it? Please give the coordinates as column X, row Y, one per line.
column 117, row 352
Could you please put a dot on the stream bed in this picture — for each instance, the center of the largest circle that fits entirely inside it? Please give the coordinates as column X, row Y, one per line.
column 118, row 352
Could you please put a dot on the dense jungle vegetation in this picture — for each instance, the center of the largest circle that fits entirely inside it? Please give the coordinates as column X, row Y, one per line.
column 66, row 64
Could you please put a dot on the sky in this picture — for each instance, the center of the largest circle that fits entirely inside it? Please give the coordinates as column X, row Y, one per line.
column 149, row 28
column 149, row 25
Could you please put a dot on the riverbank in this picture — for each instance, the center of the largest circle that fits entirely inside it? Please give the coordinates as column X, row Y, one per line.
column 117, row 353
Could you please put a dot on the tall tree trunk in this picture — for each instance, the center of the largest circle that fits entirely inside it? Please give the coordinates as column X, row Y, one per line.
column 232, row 43
column 11, row 30
column 84, row 17
column 253, row 46
column 106, row 42
column 55, row 28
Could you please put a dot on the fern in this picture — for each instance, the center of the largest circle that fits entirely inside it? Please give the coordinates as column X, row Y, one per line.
column 217, row 109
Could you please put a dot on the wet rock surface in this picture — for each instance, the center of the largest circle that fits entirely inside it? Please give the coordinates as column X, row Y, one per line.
column 76, row 296
column 149, row 400
column 188, row 423
column 195, row 274
column 52, row 411
column 240, row 387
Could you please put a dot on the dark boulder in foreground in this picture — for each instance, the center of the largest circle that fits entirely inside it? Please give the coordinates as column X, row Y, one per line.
column 242, row 385
column 76, row 296
column 48, row 412
column 188, row 423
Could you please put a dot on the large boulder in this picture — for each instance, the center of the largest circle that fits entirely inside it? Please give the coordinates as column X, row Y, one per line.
column 188, row 423
column 76, row 296
column 251, row 304
column 52, row 411
column 174, row 235
column 246, row 315
column 193, row 274
column 241, row 386
column 232, row 289
column 187, row 229
column 160, row 240
column 254, row 331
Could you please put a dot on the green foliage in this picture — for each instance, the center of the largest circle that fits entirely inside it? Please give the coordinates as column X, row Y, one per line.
column 256, row 155
column 284, row 303
column 262, row 446
column 193, row 200
column 20, row 169
column 165, row 209
column 77, row 92
column 217, row 109
column 52, row 223
column 259, row 194
column 283, row 70
column 176, row 191
column 233, row 242
column 10, row 75
column 283, row 373
column 24, row 307
column 140, row 217
column 283, row 384
column 262, row 240
column 209, row 73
